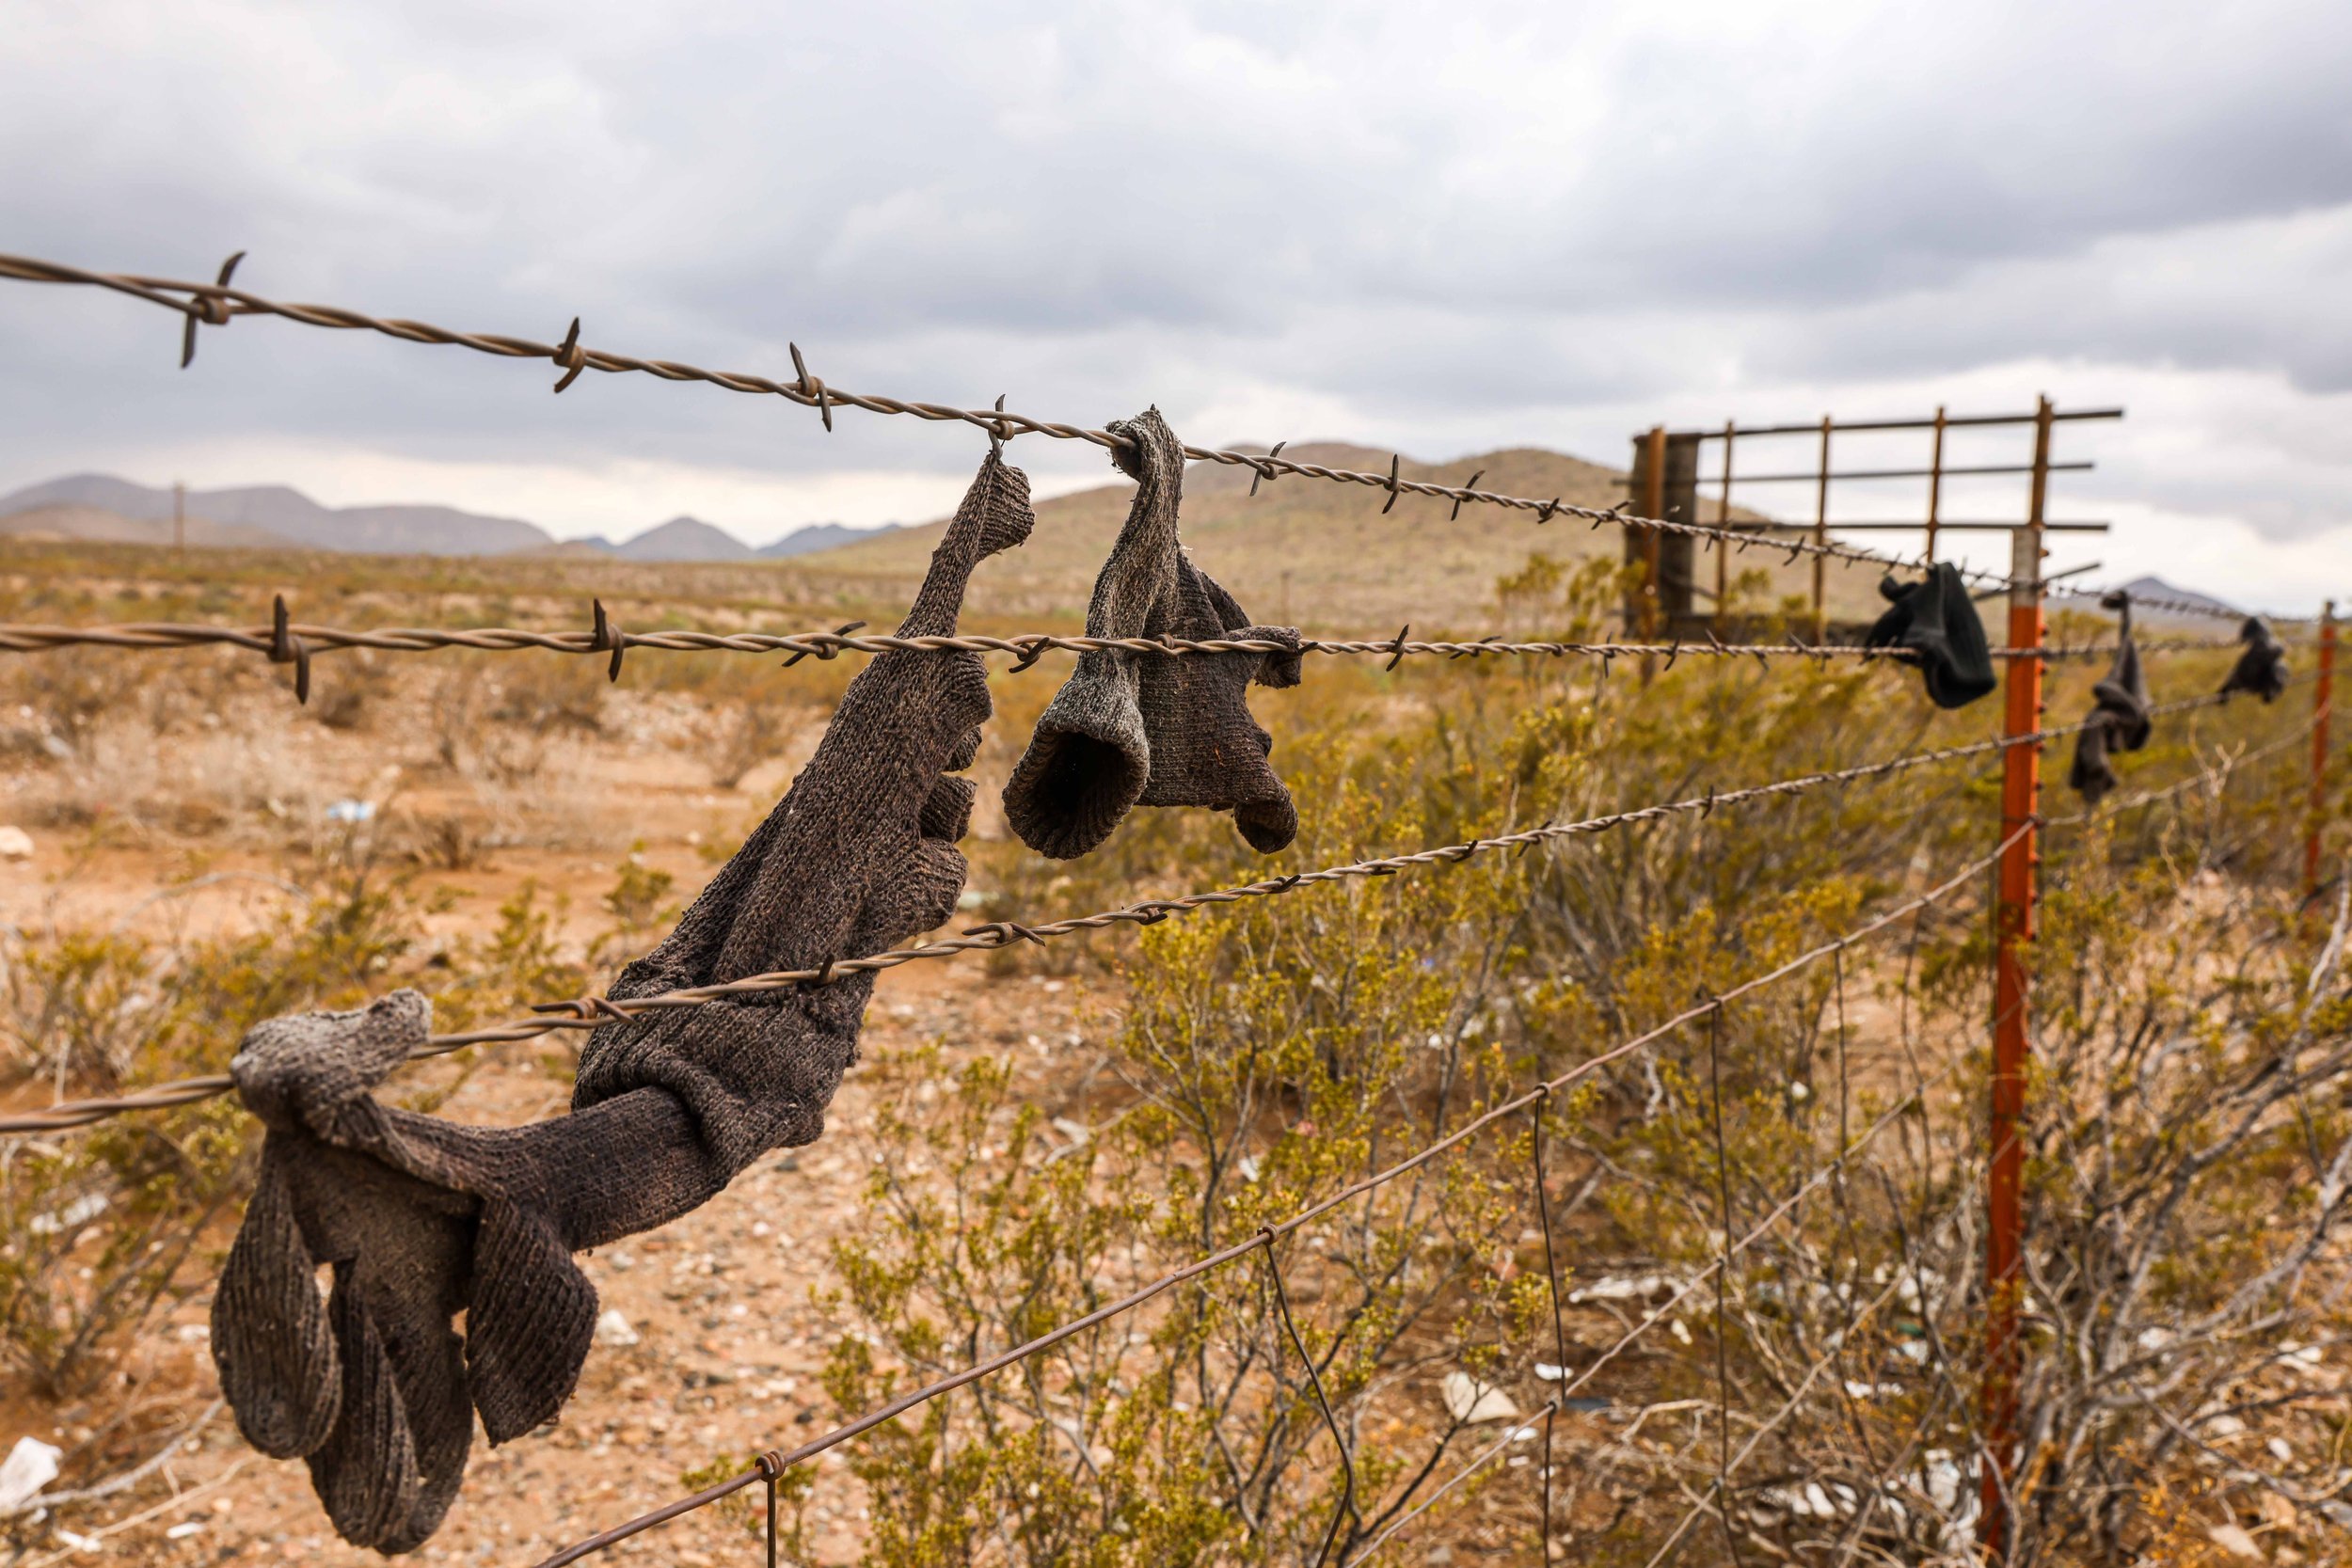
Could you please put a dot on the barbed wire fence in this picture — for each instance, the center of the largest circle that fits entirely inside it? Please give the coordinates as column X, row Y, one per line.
column 1359, row 1526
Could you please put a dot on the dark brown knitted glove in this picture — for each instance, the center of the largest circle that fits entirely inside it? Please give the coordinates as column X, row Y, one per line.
column 2261, row 669
column 1132, row 729
column 2120, row 721
column 418, row 1219
column 421, row 1219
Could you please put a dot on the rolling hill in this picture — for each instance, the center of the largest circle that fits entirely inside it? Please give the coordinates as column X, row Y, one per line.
column 1315, row 554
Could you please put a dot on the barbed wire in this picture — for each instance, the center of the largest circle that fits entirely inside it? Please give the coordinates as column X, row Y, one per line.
column 2177, row 607
column 593, row 1012
column 772, row 1464
column 289, row 642
column 218, row 304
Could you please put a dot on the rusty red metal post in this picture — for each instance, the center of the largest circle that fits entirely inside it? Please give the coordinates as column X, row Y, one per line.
column 2323, row 701
column 2012, row 928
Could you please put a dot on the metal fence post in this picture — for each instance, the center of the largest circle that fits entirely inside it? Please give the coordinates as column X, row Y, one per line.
column 2012, row 928
column 2323, row 701
column 1821, row 536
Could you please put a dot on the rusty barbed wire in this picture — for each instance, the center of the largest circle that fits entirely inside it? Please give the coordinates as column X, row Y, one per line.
column 2177, row 607
column 218, row 303
column 286, row 640
column 592, row 1011
column 1264, row 1238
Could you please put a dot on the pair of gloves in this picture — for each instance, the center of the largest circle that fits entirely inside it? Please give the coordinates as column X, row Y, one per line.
column 417, row 1220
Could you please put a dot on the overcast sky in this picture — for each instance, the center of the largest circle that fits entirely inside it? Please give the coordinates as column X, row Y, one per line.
column 1440, row 228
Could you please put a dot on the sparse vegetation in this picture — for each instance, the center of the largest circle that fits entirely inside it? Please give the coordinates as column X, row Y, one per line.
column 455, row 822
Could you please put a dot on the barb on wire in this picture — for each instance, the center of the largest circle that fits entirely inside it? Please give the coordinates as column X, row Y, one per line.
column 298, row 639
column 221, row 302
column 1264, row 1238
column 591, row 1011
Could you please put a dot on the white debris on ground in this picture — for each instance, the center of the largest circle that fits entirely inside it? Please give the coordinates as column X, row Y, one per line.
column 1470, row 1402
column 614, row 1329
column 1638, row 1287
column 31, row 1466
column 15, row 844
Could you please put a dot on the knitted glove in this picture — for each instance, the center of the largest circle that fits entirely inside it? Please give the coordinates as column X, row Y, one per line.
column 2261, row 669
column 421, row 1219
column 1934, row 623
column 2119, row 722
column 418, row 1219
column 1148, row 729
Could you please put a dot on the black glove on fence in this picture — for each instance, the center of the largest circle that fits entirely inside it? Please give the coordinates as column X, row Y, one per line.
column 421, row 1218
column 1934, row 623
column 2119, row 722
column 2261, row 669
column 1151, row 729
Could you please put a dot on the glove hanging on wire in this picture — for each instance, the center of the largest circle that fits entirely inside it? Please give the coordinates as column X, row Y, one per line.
column 1132, row 729
column 1934, row 623
column 419, row 1219
column 2261, row 669
column 2119, row 722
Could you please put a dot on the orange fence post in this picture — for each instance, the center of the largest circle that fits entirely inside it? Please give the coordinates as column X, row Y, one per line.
column 2012, row 928
column 2323, row 700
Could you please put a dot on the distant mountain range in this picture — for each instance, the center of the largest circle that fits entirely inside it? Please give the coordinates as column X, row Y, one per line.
column 100, row 507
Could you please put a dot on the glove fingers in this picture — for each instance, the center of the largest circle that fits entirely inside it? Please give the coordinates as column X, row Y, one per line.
column 271, row 1342
column 529, row 1327
column 366, row 1474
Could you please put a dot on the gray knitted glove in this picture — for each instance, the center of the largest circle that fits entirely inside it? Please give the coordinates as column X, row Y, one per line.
column 1144, row 729
column 421, row 1219
column 2119, row 722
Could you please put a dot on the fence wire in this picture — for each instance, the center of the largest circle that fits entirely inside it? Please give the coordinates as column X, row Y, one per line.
column 218, row 304
column 286, row 640
column 772, row 1464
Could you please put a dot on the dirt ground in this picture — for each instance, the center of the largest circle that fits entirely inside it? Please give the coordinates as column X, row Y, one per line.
column 728, row 1339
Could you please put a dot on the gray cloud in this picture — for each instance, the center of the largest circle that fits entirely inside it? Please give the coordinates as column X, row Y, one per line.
column 1446, row 226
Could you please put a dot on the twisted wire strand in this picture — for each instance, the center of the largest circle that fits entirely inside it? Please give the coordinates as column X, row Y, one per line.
column 218, row 304
column 2178, row 607
column 27, row 637
column 589, row 1012
column 1259, row 1239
